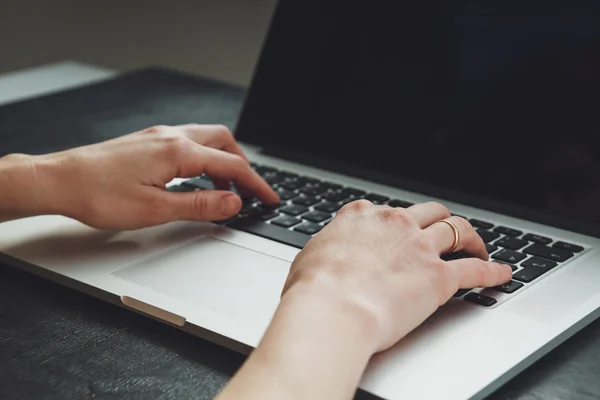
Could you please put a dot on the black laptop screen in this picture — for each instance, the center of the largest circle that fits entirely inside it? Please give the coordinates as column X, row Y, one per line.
column 495, row 103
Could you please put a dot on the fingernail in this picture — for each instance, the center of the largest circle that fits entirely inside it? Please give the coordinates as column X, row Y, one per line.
column 230, row 204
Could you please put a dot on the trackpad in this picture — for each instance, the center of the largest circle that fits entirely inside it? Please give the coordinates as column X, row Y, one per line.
column 217, row 276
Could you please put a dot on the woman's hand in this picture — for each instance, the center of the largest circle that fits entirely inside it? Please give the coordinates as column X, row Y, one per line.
column 386, row 263
column 360, row 285
column 120, row 183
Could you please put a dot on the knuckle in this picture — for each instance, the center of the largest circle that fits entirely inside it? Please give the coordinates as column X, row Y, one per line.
column 223, row 131
column 441, row 208
column 422, row 244
column 199, row 204
column 156, row 129
column 355, row 207
column 396, row 216
column 479, row 269
column 174, row 144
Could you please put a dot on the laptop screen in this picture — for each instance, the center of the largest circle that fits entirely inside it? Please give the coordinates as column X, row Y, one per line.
column 492, row 103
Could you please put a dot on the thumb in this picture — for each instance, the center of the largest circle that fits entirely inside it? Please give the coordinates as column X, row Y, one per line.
column 203, row 205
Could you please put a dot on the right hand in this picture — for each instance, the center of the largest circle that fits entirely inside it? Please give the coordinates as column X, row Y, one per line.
column 384, row 264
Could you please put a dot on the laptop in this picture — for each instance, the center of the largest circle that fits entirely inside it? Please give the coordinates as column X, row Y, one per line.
column 487, row 107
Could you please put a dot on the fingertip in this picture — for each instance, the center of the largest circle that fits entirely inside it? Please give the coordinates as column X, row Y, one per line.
column 505, row 272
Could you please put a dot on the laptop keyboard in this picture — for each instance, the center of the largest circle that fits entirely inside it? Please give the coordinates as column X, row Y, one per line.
column 308, row 204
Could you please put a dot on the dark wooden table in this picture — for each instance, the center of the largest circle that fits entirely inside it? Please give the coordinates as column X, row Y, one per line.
column 56, row 343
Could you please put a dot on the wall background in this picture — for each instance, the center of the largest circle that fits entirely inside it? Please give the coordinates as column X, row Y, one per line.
column 220, row 39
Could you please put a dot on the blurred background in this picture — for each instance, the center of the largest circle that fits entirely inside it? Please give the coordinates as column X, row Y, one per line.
column 220, row 39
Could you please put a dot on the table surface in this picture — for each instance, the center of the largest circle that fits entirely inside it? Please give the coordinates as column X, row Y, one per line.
column 56, row 343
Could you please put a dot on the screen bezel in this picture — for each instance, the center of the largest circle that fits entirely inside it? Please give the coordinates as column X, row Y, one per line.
column 247, row 130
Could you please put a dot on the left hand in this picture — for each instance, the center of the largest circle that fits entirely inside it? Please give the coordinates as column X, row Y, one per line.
column 120, row 183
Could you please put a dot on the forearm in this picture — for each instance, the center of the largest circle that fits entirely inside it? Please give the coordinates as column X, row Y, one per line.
column 24, row 187
column 314, row 349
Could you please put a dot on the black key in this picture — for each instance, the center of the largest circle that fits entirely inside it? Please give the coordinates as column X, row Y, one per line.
column 550, row 253
column 291, row 184
column 532, row 237
column 507, row 231
column 490, row 248
column 254, row 165
column 513, row 267
column 269, row 215
column 334, row 197
column 286, row 221
column 313, row 190
column 273, row 178
column 460, row 292
column 331, row 186
column 327, row 207
column 509, row 256
column 270, row 231
column 480, row 299
column 509, row 287
column 316, row 216
column 180, row 188
column 511, row 243
column 481, row 224
column 307, row 201
column 294, row 209
column 199, row 183
column 285, row 195
column 539, row 262
column 376, row 198
column 528, row 274
column 309, row 181
column 263, row 170
column 353, row 192
column 399, row 203
column 308, row 228
column 488, row 236
column 568, row 246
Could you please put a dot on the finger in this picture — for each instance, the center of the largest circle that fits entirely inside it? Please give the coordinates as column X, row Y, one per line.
column 201, row 205
column 443, row 237
column 473, row 272
column 224, row 166
column 216, row 136
column 428, row 213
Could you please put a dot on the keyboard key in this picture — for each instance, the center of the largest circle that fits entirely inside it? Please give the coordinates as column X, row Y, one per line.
column 507, row 231
column 488, row 236
column 309, row 181
column 199, row 183
column 353, row 192
column 376, row 198
column 399, row 203
column 273, row 178
column 477, row 223
column 480, row 299
column 270, row 231
column 308, row 227
column 288, row 175
column 331, row 186
column 509, row 256
column 313, row 190
column 327, row 207
column 509, row 287
column 285, row 195
column 568, row 246
column 335, row 197
column 539, row 262
column 316, row 216
column 263, row 170
column 291, row 184
column 307, row 201
column 528, row 274
column 269, row 215
column 286, row 221
column 460, row 292
column 550, row 253
column 532, row 237
column 511, row 243
column 294, row 209
column 490, row 248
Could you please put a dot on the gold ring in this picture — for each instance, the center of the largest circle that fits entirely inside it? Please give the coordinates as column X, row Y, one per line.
column 456, row 235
